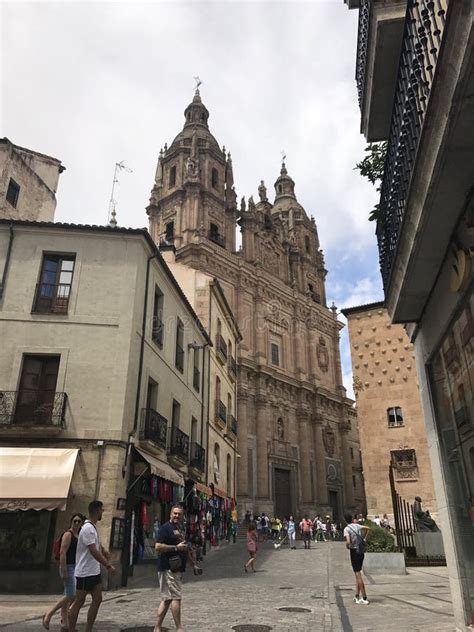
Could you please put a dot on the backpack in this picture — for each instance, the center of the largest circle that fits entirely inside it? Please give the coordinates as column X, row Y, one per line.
column 57, row 546
column 263, row 521
column 361, row 546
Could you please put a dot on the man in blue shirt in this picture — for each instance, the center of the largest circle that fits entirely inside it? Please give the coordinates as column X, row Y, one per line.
column 172, row 555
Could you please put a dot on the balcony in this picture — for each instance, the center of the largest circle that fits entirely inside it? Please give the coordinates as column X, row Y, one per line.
column 221, row 349
column 422, row 41
column 379, row 40
column 32, row 412
column 198, row 457
column 51, row 298
column 232, row 368
column 232, row 424
column 153, row 427
column 179, row 445
column 221, row 412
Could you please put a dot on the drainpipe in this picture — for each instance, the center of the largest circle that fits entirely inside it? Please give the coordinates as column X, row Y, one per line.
column 7, row 261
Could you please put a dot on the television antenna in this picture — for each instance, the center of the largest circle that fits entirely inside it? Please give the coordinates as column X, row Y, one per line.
column 112, row 218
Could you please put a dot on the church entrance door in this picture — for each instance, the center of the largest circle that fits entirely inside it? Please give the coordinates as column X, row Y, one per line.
column 282, row 493
column 334, row 503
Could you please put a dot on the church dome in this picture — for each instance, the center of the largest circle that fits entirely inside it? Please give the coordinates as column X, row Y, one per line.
column 285, row 198
column 196, row 116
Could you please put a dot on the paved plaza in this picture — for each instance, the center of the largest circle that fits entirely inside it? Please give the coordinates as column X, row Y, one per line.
column 318, row 583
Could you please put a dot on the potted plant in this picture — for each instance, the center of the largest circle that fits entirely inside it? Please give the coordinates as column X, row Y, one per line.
column 382, row 557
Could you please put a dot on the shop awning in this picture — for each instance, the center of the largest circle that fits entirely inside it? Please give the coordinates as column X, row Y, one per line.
column 161, row 468
column 200, row 487
column 35, row 478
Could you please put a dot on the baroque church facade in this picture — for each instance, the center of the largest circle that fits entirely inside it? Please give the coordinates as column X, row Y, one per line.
column 297, row 436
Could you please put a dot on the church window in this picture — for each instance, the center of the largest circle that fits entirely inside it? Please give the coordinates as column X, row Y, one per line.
column 395, row 417
column 169, row 236
column 214, row 232
column 275, row 354
column 214, row 178
column 173, row 176
column 268, row 222
column 280, row 188
column 307, row 244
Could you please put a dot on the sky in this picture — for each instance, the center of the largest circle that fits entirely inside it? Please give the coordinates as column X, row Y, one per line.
column 96, row 83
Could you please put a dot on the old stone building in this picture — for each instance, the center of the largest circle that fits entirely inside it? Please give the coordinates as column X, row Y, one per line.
column 28, row 183
column 293, row 417
column 391, row 425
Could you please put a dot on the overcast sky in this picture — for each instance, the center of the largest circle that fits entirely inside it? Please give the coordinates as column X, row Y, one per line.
column 94, row 83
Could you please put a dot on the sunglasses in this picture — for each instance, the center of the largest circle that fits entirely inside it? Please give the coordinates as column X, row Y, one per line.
column 78, row 521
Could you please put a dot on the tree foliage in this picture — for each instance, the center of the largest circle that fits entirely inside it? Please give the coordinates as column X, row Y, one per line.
column 379, row 540
column 372, row 168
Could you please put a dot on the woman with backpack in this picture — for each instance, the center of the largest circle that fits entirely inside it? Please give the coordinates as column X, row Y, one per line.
column 354, row 535
column 64, row 550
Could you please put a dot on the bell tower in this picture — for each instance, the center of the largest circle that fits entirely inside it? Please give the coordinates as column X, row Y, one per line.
column 193, row 193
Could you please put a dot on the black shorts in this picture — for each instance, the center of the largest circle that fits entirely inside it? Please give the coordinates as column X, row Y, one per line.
column 88, row 583
column 357, row 559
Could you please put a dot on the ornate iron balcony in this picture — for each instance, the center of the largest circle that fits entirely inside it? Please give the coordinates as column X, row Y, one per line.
column 362, row 43
column 422, row 41
column 51, row 298
column 179, row 445
column 153, row 427
column 232, row 366
column 221, row 348
column 32, row 408
column 221, row 411
column 198, row 456
column 232, row 422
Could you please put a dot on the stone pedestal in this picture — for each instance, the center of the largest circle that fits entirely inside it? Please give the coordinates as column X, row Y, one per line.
column 429, row 544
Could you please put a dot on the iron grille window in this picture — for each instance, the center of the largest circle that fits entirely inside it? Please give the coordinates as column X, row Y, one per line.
column 404, row 462
column 54, row 288
column 395, row 417
column 13, row 192
column 275, row 354
column 157, row 325
column 179, row 360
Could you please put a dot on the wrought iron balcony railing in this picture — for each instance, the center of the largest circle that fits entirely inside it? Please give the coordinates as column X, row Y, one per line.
column 221, row 348
column 32, row 408
column 51, row 298
column 232, row 423
column 198, row 456
column 153, row 427
column 422, row 41
column 362, row 44
column 221, row 411
column 179, row 444
column 232, row 366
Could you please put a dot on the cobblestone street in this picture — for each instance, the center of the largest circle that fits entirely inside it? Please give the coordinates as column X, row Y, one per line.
column 319, row 582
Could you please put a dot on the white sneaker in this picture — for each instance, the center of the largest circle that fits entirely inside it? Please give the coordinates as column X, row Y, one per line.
column 355, row 599
column 363, row 601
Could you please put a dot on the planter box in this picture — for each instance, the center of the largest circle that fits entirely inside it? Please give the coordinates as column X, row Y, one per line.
column 385, row 564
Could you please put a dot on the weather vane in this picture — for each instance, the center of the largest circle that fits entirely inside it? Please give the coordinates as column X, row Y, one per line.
column 198, row 82
column 112, row 219
column 283, row 156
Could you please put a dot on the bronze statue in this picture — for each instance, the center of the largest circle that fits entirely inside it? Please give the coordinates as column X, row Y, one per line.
column 423, row 520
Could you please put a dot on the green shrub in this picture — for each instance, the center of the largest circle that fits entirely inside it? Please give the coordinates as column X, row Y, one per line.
column 379, row 540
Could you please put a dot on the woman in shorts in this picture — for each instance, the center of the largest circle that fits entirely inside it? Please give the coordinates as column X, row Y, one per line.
column 67, row 564
column 251, row 546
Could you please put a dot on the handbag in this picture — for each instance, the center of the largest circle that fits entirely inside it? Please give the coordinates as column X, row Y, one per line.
column 175, row 563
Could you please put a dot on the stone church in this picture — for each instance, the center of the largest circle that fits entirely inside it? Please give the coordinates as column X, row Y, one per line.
column 297, row 431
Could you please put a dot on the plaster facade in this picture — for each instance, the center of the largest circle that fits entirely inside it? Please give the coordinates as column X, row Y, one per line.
column 292, row 409
column 105, row 364
column 391, row 423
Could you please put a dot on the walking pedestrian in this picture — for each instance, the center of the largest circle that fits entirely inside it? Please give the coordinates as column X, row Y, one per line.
column 291, row 527
column 67, row 564
column 251, row 547
column 89, row 556
column 305, row 527
column 355, row 534
column 173, row 552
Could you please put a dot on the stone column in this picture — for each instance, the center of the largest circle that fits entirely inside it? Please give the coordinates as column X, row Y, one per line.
column 304, row 441
column 344, row 429
column 262, row 448
column 260, row 329
column 321, row 484
column 242, row 448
